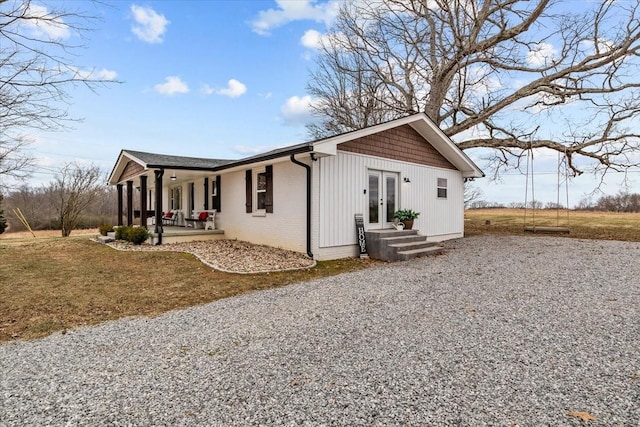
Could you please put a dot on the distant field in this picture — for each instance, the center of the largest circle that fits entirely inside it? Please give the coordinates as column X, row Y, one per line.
column 583, row 224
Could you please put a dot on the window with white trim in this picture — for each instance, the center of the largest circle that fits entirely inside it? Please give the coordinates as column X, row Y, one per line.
column 261, row 190
column 176, row 198
column 442, row 188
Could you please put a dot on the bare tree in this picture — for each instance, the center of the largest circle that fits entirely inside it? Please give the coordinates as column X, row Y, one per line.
column 472, row 194
column 74, row 188
column 503, row 75
column 38, row 207
column 36, row 72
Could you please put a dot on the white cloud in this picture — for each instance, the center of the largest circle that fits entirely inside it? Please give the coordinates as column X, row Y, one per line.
column 103, row 74
column 234, row 89
column 294, row 10
column 311, row 39
column 41, row 23
column 297, row 110
column 171, row 86
column 604, row 46
column 150, row 25
column 543, row 54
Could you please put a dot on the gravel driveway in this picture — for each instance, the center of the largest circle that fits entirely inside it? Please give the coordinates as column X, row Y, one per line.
column 499, row 331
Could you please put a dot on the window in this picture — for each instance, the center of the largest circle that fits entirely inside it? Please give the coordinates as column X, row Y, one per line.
column 176, row 198
column 261, row 190
column 442, row 188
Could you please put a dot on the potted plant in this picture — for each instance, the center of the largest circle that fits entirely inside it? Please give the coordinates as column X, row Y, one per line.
column 406, row 216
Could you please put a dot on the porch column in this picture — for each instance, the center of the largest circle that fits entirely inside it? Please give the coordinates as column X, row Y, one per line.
column 119, row 187
column 143, row 201
column 206, row 194
column 158, row 190
column 129, row 203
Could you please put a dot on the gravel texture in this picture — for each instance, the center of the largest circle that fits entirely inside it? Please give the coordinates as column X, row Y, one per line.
column 233, row 256
column 506, row 331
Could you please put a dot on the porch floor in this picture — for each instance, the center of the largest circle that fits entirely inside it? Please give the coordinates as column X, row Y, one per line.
column 175, row 234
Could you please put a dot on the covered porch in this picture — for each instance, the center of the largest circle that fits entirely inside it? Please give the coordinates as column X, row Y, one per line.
column 172, row 196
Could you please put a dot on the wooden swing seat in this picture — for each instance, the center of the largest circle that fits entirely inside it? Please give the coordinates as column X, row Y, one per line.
column 550, row 230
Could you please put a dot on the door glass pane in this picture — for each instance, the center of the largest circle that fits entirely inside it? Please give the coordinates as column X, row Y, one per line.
column 390, row 183
column 373, row 199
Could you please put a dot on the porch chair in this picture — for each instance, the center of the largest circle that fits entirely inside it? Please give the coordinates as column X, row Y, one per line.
column 211, row 220
column 198, row 221
column 169, row 218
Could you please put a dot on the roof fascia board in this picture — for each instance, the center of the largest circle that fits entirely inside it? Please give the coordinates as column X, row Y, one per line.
column 111, row 177
column 447, row 147
column 135, row 159
column 120, row 165
column 267, row 157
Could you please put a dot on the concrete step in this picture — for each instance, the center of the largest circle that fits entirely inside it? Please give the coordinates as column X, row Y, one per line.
column 399, row 245
column 377, row 241
column 402, row 239
column 415, row 253
column 390, row 232
column 105, row 239
column 407, row 246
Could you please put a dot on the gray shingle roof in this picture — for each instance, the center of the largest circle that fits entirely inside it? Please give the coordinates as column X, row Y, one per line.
column 167, row 161
column 155, row 160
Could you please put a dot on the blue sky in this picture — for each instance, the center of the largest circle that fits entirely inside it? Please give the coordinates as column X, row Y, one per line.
column 220, row 79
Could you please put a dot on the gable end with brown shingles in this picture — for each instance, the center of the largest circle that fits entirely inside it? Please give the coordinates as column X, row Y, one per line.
column 402, row 143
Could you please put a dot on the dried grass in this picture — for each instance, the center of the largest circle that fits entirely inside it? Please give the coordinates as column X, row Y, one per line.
column 52, row 284
column 583, row 224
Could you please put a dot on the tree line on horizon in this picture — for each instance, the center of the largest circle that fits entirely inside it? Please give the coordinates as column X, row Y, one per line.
column 620, row 202
column 75, row 199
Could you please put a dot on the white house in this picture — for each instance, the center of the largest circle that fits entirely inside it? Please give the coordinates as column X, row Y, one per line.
column 304, row 197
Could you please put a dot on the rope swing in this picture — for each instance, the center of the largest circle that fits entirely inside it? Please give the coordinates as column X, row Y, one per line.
column 530, row 221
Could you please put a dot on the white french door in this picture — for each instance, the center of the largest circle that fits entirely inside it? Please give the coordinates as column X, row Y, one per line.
column 382, row 199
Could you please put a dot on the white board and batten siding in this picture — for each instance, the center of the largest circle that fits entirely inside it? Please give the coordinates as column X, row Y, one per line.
column 341, row 182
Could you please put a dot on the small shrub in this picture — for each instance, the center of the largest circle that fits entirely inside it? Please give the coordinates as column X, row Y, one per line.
column 137, row 235
column 122, row 233
column 105, row 228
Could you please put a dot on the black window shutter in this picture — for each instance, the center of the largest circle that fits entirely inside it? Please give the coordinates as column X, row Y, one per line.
column 192, row 197
column 249, row 191
column 206, row 194
column 268, row 199
column 218, row 206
